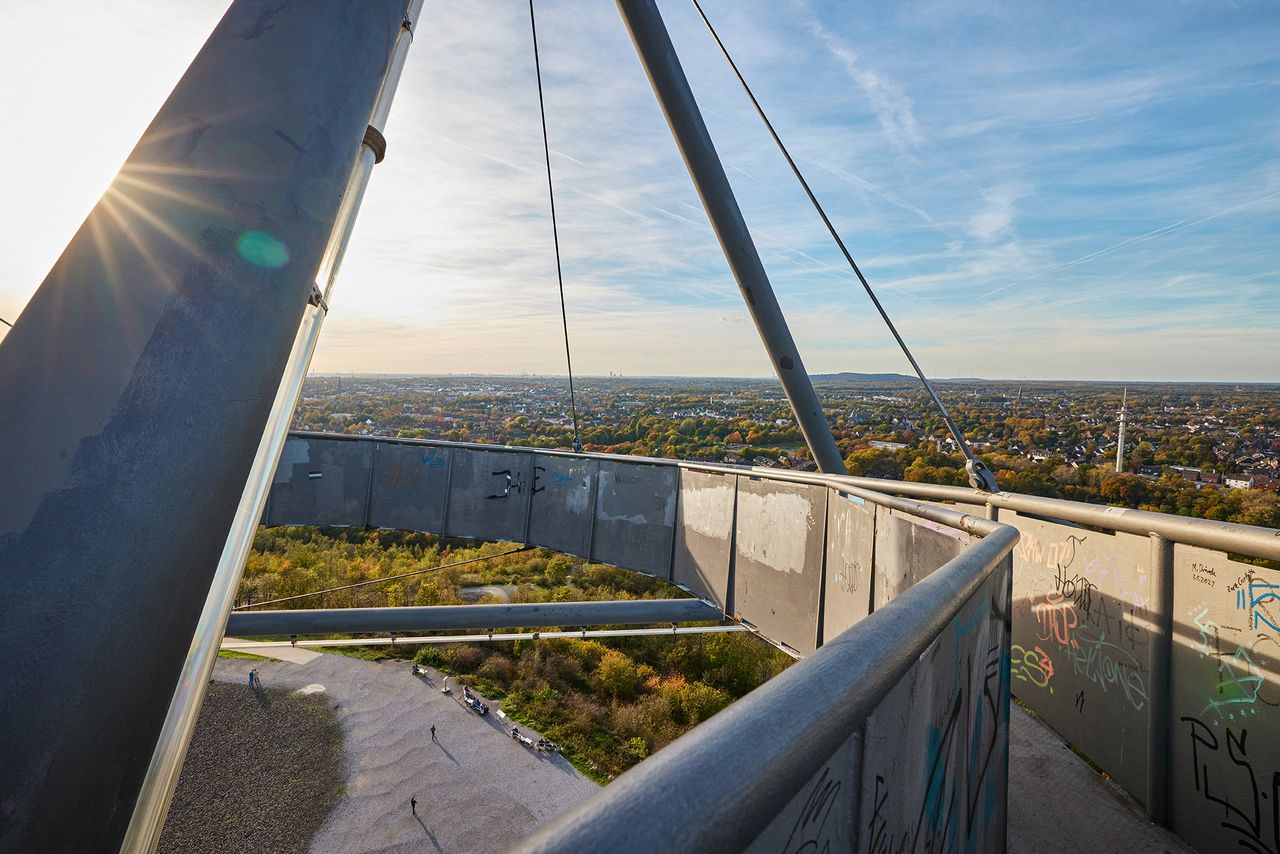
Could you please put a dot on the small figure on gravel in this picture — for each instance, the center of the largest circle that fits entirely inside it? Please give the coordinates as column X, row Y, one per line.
column 413, row 805
column 433, row 732
column 253, row 677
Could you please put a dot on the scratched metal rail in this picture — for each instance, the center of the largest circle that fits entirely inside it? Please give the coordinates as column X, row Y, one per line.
column 1138, row 638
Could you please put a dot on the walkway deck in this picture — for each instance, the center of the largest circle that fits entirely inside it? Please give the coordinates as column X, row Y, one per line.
column 1059, row 805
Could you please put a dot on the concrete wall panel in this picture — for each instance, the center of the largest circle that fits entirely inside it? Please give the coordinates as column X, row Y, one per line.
column 410, row 487
column 850, row 539
column 822, row 815
column 321, row 483
column 778, row 554
column 934, row 758
column 704, row 535
column 1224, row 783
column 635, row 516
column 1081, row 642
column 489, row 495
column 563, row 503
column 908, row 550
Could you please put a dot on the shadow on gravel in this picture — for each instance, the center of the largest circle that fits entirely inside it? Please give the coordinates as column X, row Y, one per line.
column 428, row 832
column 440, row 744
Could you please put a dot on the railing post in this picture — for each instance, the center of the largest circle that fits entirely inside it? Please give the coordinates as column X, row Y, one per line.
column 1161, row 665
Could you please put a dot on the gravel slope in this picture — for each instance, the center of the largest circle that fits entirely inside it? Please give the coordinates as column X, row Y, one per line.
column 477, row 789
column 264, row 770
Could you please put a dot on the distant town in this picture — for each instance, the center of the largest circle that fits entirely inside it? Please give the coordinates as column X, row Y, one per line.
column 1214, row 436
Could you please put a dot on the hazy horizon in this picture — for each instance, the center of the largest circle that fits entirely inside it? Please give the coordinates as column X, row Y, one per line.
column 816, row 377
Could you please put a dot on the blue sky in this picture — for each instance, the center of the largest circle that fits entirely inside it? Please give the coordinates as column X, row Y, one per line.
column 1035, row 190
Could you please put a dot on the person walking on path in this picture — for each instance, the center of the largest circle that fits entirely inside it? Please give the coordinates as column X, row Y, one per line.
column 413, row 805
column 253, row 677
column 433, row 732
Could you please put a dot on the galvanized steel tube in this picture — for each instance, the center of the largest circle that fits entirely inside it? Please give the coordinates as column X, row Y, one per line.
column 447, row 617
column 136, row 386
column 685, row 120
column 161, row 779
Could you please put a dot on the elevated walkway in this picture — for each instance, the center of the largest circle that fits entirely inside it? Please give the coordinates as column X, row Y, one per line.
column 1059, row 805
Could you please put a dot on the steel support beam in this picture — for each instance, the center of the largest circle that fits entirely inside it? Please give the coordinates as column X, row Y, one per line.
column 265, row 647
column 161, row 779
column 450, row 617
column 160, row 335
column 658, row 56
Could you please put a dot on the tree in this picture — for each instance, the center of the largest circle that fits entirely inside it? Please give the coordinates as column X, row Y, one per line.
column 617, row 675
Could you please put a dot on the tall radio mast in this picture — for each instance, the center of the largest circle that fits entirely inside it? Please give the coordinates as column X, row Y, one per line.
column 1120, row 444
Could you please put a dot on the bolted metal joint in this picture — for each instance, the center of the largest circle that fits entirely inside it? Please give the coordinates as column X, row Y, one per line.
column 317, row 298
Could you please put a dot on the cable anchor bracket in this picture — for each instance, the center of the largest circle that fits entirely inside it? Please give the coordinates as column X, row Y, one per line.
column 981, row 477
column 317, row 298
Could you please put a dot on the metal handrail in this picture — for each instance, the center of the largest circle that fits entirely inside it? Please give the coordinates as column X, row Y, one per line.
column 432, row 618
column 1207, row 533
column 674, row 796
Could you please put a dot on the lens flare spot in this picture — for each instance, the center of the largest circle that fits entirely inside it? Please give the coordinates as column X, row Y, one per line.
column 262, row 249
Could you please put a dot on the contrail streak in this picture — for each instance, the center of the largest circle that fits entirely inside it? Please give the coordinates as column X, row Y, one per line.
column 1159, row 232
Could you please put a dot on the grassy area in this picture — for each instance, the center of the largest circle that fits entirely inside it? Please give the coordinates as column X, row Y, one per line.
column 248, row 656
column 609, row 702
column 612, row 704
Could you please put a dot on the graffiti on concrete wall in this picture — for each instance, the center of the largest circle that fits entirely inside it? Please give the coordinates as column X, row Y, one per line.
column 1246, row 794
column 1237, row 686
column 933, row 784
column 1109, row 666
column 1102, row 639
column 1258, row 598
column 1032, row 666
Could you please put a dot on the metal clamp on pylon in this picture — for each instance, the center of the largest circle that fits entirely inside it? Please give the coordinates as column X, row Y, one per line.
column 317, row 298
column 377, row 143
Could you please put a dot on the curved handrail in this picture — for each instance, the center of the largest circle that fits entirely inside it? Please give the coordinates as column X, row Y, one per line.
column 705, row 792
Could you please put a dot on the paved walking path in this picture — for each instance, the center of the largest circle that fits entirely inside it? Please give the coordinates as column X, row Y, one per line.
column 477, row 789
column 294, row 654
column 1059, row 805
